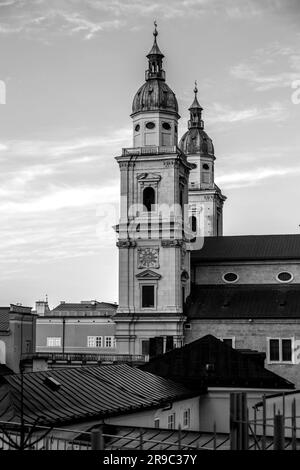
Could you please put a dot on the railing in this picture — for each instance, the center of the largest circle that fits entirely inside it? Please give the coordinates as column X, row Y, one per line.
column 86, row 357
column 95, row 440
column 269, row 432
column 150, row 150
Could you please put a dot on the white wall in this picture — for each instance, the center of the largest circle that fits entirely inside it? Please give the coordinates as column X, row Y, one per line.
column 146, row 418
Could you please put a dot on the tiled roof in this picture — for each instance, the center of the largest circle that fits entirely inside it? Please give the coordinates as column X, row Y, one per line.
column 250, row 247
column 210, row 362
column 244, row 301
column 85, row 393
column 4, row 318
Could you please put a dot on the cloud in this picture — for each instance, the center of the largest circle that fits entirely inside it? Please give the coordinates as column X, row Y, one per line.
column 58, row 199
column 90, row 17
column 246, row 178
column 225, row 114
column 264, row 82
column 274, row 66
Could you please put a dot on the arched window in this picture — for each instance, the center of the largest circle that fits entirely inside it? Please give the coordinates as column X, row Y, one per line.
column 148, row 198
column 193, row 224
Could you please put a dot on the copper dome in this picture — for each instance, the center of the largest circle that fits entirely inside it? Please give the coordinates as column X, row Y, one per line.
column 155, row 95
column 195, row 140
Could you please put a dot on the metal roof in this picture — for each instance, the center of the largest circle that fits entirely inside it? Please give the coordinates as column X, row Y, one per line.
column 83, row 308
column 212, row 363
column 85, row 393
column 248, row 247
column 244, row 301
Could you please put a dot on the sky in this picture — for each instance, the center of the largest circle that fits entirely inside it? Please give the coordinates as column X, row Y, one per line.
column 70, row 69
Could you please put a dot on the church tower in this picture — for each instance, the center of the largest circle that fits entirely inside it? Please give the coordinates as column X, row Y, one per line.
column 154, row 261
column 205, row 197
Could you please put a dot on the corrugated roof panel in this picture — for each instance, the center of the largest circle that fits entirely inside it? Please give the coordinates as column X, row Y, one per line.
column 90, row 391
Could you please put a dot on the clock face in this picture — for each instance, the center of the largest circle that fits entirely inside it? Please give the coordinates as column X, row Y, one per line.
column 148, row 258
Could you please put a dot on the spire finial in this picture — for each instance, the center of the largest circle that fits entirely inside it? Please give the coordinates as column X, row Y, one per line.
column 195, row 89
column 155, row 32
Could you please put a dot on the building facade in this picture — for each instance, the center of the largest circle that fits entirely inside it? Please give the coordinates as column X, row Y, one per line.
column 177, row 285
column 17, row 335
column 77, row 328
column 153, row 252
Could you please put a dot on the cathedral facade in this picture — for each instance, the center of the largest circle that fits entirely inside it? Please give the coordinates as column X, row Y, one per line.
column 180, row 278
column 169, row 202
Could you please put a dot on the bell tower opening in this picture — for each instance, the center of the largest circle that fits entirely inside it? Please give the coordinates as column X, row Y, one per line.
column 149, row 198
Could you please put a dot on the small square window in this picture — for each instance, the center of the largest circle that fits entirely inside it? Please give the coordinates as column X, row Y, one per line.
column 109, row 341
column 156, row 423
column 94, row 341
column 54, row 342
column 147, row 296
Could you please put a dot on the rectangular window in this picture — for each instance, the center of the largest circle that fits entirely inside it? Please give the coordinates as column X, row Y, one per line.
column 109, row 341
column 156, row 423
column 54, row 342
column 187, row 418
column 286, row 350
column 229, row 341
column 147, row 296
column 145, row 347
column 94, row 341
column 171, row 421
column 280, row 350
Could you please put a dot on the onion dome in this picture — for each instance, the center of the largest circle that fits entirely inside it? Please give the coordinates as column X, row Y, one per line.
column 195, row 140
column 155, row 94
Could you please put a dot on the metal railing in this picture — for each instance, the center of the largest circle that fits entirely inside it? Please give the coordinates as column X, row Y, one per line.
column 271, row 431
column 95, row 440
column 86, row 357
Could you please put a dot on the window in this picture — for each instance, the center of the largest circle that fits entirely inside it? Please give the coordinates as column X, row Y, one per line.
column 187, row 418
column 150, row 125
column 94, row 341
column 145, row 347
column 137, row 128
column 166, row 126
column 193, row 224
column 53, row 342
column 229, row 341
column 280, row 350
column 230, row 277
column 171, row 421
column 205, row 166
column 284, row 277
column 147, row 296
column 109, row 341
column 156, row 423
column 148, row 198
